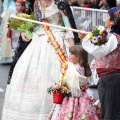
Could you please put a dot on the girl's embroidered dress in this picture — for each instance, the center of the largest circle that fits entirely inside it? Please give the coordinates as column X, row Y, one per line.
column 38, row 68
column 80, row 106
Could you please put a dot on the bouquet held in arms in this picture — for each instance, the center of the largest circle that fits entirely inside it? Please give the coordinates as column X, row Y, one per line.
column 98, row 35
column 22, row 26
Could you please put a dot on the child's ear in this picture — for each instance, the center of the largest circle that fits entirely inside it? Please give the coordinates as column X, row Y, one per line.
column 112, row 22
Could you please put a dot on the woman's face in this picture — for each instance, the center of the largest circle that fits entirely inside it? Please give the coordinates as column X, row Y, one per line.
column 19, row 7
column 109, row 22
column 73, row 58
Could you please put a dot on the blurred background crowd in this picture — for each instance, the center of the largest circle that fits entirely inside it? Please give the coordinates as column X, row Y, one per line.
column 97, row 4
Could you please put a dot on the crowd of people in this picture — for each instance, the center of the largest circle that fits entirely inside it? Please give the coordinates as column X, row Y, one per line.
column 97, row 4
column 55, row 55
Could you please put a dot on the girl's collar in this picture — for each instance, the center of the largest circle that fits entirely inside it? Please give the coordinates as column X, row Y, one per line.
column 79, row 69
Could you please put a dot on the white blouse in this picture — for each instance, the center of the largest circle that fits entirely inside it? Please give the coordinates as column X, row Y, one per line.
column 103, row 50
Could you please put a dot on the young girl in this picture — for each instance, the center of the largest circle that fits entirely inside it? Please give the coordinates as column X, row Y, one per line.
column 80, row 106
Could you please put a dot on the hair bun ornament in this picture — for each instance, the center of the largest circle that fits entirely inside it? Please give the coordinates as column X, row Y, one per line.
column 117, row 16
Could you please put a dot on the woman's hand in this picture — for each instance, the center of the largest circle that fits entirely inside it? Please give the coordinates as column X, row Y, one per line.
column 82, row 34
column 24, row 37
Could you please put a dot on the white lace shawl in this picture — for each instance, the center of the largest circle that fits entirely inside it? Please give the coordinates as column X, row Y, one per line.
column 74, row 80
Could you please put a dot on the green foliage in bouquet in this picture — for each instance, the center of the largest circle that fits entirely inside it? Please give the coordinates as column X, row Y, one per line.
column 23, row 26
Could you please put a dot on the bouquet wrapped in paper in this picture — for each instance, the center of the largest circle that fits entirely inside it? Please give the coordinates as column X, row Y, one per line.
column 98, row 35
column 22, row 26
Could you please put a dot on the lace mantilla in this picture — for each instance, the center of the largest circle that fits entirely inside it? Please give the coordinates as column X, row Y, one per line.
column 50, row 10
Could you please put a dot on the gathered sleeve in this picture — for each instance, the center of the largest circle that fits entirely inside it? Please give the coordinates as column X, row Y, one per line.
column 100, row 51
column 69, row 34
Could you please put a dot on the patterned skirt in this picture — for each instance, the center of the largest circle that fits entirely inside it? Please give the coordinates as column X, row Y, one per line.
column 74, row 108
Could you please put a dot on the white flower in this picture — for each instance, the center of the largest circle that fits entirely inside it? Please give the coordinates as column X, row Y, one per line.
column 101, row 27
column 94, row 40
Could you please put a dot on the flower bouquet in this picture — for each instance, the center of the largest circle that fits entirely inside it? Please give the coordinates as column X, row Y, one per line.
column 59, row 92
column 22, row 26
column 98, row 35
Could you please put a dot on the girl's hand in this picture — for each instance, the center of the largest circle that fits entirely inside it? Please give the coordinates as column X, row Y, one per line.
column 82, row 34
column 24, row 37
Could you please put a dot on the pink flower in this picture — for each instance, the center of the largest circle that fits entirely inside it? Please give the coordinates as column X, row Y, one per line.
column 53, row 87
column 99, row 38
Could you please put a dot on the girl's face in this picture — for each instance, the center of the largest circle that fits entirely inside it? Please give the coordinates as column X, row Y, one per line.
column 19, row 7
column 109, row 22
column 73, row 58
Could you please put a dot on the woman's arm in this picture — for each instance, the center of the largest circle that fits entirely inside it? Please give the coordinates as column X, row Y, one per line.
column 69, row 34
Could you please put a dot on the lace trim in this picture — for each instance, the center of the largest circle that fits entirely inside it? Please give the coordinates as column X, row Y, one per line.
column 50, row 10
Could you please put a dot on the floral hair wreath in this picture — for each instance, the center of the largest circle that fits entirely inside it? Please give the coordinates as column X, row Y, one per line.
column 117, row 16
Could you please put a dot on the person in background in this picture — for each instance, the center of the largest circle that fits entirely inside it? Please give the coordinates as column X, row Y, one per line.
column 93, row 4
column 118, row 3
column 73, row 3
column 86, row 4
column 14, row 35
column 1, row 9
column 103, row 5
column 22, row 45
column 6, row 51
column 111, row 3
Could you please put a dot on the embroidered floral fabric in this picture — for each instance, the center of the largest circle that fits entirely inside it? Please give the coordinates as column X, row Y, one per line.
column 82, row 107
